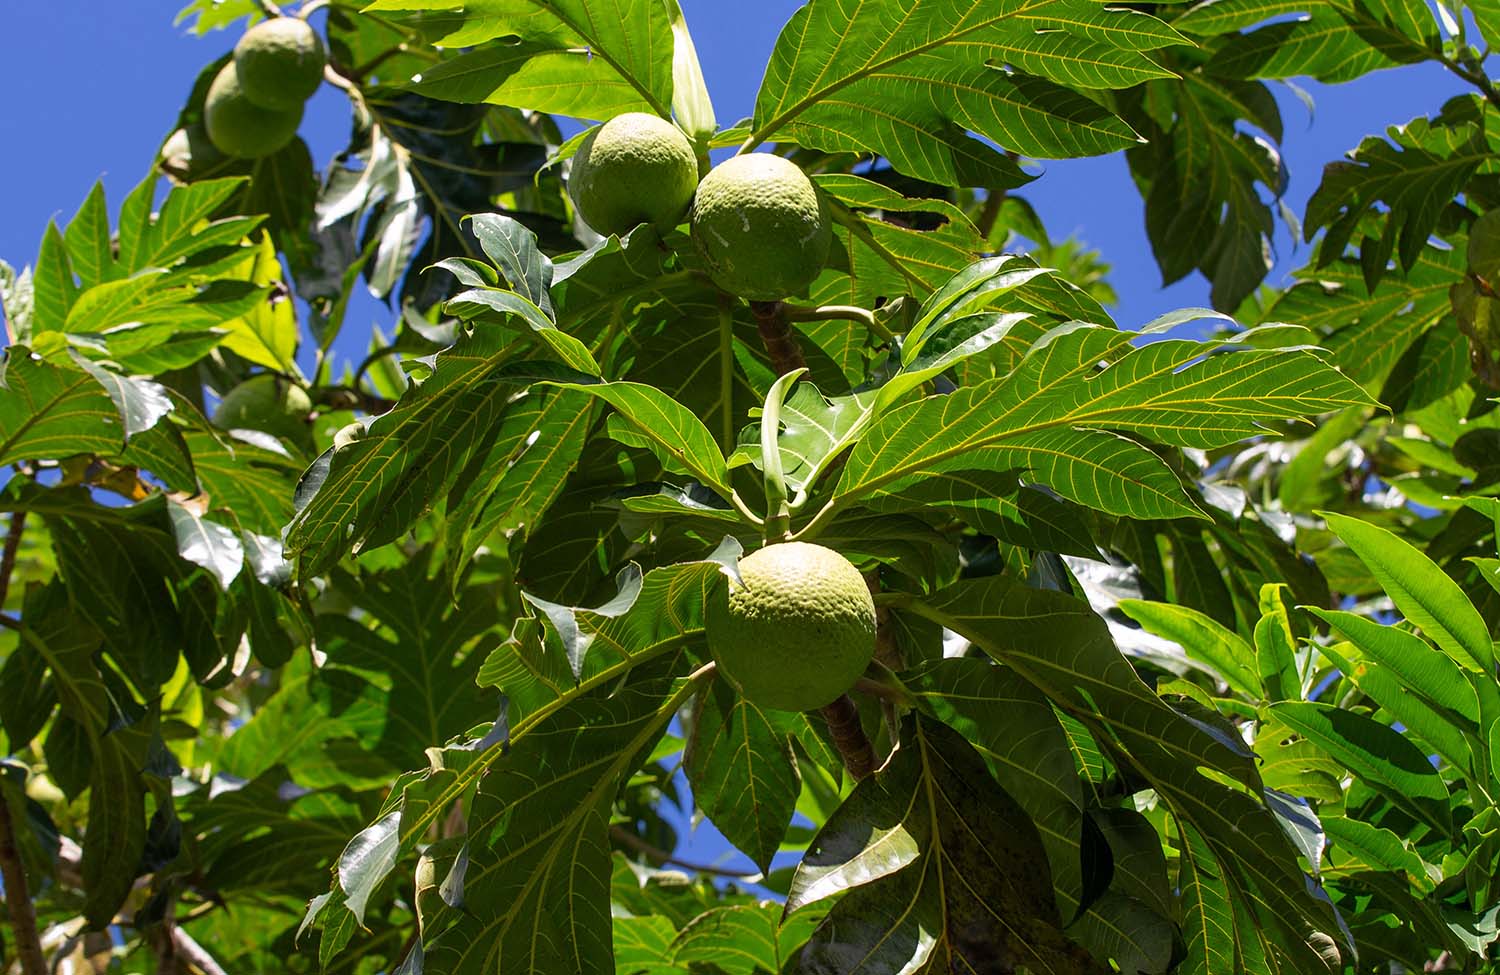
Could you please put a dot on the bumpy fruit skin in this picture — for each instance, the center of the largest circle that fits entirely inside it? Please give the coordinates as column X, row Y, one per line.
column 267, row 403
column 761, row 227
column 635, row 168
column 280, row 62
column 239, row 127
column 798, row 632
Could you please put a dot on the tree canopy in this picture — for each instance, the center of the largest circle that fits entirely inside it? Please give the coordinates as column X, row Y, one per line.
column 387, row 650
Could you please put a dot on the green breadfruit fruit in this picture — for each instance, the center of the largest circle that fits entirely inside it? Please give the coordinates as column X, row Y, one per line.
column 761, row 227
column 634, row 169
column 267, row 403
column 280, row 62
column 798, row 632
column 239, row 127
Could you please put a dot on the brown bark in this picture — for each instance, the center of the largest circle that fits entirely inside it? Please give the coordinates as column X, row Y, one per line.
column 18, row 898
column 778, row 337
column 849, row 736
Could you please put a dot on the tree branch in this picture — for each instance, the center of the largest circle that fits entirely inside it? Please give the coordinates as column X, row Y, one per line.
column 989, row 212
column 360, row 73
column 194, row 954
column 8, row 556
column 777, row 336
column 626, row 838
column 1476, row 78
column 12, row 871
column 18, row 894
column 849, row 736
column 842, row 716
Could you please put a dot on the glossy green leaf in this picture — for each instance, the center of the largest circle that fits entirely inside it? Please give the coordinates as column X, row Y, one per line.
column 587, row 58
column 666, row 615
column 939, row 867
column 996, row 503
column 420, row 641
column 209, row 544
column 246, row 482
column 1447, row 151
column 1200, row 174
column 1369, row 329
column 372, row 490
column 316, row 724
column 744, row 939
column 511, row 248
column 1276, row 646
column 87, row 240
column 266, row 334
column 666, row 428
column 540, row 439
column 1201, row 638
column 743, row 774
column 539, row 838
column 140, row 403
column 1013, row 727
column 490, row 306
column 1378, row 755
column 116, row 832
column 1039, row 417
column 54, row 289
column 875, row 257
column 1421, row 592
column 47, row 411
column 930, row 72
column 1373, row 846
column 1057, row 644
column 1208, row 918
column 185, row 224
column 1122, row 928
column 1416, row 664
column 1331, row 42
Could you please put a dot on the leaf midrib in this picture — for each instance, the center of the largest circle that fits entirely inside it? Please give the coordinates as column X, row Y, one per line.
column 907, row 469
column 758, row 136
column 602, row 53
column 462, row 781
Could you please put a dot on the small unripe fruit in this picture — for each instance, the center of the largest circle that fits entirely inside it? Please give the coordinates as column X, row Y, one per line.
column 634, row 169
column 239, row 127
column 280, row 62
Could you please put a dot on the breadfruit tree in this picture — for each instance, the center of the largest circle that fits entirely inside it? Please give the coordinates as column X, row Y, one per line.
column 783, row 476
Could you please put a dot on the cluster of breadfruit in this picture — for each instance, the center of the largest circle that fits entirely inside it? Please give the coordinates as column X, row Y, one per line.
column 757, row 221
column 797, row 627
column 254, row 104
